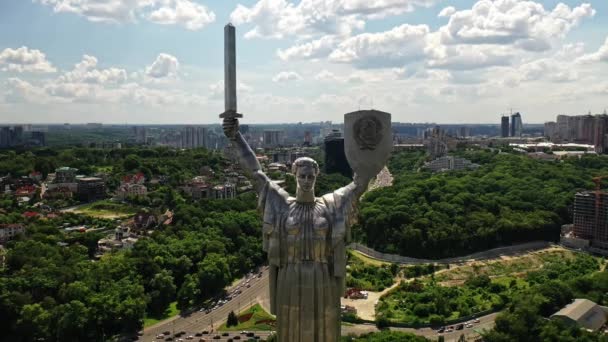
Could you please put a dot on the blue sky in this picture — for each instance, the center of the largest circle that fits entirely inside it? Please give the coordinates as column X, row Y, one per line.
column 160, row 61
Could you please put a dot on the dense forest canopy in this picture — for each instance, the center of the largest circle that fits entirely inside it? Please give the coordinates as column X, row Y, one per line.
column 509, row 199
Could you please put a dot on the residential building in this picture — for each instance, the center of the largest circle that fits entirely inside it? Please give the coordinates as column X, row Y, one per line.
column 448, row 163
column 194, row 137
column 131, row 190
column 9, row 231
column 335, row 157
column 583, row 313
column 436, row 140
column 273, row 138
column 91, row 188
column 591, row 219
column 38, row 138
column 65, row 175
column 583, row 129
column 144, row 220
column 504, row 126
column 197, row 190
column 516, row 125
column 141, row 134
column 226, row 191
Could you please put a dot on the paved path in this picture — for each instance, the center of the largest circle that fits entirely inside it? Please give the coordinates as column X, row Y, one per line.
column 485, row 323
column 489, row 254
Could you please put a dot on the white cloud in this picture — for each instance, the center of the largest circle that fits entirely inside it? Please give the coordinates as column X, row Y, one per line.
column 286, row 76
column 19, row 90
column 187, row 13
column 191, row 15
column 398, row 46
column 165, row 65
column 600, row 56
column 447, row 12
column 86, row 72
column 464, row 57
column 280, row 18
column 309, row 50
column 524, row 23
column 24, row 59
column 325, row 75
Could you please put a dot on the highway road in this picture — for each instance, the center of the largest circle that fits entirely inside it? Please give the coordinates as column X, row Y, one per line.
column 200, row 321
column 258, row 293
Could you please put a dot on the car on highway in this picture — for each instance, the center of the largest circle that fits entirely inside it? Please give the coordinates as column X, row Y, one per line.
column 459, row 326
column 468, row 325
column 476, row 320
column 441, row 330
column 217, row 337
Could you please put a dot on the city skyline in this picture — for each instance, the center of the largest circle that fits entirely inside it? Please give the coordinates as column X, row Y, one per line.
column 160, row 62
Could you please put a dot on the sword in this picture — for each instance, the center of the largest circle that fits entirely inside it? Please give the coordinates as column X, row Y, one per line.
column 230, row 111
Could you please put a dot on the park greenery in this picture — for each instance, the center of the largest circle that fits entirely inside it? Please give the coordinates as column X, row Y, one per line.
column 53, row 288
column 385, row 336
column 370, row 277
column 255, row 318
column 553, row 287
column 509, row 199
column 426, row 301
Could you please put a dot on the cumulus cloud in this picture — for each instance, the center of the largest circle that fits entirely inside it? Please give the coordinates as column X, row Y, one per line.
column 447, row 12
column 395, row 47
column 463, row 57
column 325, row 75
column 86, row 72
column 314, row 49
column 165, row 65
column 280, row 18
column 19, row 90
column 286, row 76
column 189, row 14
column 186, row 13
column 524, row 23
column 600, row 56
column 24, row 59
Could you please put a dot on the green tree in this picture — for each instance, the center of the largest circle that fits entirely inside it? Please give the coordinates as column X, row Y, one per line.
column 232, row 320
column 188, row 293
column 161, row 292
column 213, row 274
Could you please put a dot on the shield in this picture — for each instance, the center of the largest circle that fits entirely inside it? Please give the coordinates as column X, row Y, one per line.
column 368, row 141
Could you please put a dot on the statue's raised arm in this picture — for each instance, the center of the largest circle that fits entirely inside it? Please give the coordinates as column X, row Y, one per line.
column 247, row 158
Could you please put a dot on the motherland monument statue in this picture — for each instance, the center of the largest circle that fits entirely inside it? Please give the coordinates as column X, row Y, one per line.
column 305, row 236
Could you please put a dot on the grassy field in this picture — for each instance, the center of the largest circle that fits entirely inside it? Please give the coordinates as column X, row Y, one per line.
column 368, row 276
column 257, row 314
column 369, row 261
column 512, row 267
column 170, row 312
column 107, row 209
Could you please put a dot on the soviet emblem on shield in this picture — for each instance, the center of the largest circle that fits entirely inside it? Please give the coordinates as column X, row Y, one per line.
column 368, row 132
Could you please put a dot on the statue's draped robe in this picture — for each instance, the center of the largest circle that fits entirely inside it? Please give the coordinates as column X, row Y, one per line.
column 305, row 243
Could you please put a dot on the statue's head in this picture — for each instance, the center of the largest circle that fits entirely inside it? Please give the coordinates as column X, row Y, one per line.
column 306, row 170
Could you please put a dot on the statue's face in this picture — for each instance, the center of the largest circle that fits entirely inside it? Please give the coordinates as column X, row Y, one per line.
column 306, row 177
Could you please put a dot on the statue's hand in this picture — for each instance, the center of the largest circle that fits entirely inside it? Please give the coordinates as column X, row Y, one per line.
column 231, row 127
